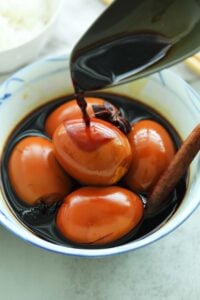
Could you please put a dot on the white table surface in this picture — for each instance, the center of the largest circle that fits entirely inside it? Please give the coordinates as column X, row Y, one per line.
column 168, row 269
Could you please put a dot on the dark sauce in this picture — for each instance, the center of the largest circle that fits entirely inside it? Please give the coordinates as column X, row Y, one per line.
column 82, row 104
column 110, row 62
column 131, row 36
column 41, row 218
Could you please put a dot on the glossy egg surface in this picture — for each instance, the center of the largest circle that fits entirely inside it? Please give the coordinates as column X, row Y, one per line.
column 99, row 216
column 98, row 154
column 153, row 149
column 69, row 111
column 34, row 172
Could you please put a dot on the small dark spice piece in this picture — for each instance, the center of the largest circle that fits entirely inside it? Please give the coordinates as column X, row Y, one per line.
column 112, row 115
column 42, row 212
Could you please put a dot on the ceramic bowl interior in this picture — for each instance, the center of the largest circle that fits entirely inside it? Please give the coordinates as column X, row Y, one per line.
column 46, row 80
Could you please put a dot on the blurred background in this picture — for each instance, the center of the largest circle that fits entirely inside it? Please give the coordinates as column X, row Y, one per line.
column 73, row 20
column 168, row 269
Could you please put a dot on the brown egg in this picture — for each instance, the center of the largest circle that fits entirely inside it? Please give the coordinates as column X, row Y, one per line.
column 98, row 216
column 34, row 172
column 69, row 111
column 153, row 149
column 98, row 154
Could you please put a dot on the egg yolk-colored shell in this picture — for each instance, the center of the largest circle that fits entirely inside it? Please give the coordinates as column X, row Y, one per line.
column 69, row 111
column 153, row 150
column 98, row 154
column 34, row 172
column 98, row 216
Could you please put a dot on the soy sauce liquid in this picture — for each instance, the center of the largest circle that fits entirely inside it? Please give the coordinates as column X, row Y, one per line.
column 130, row 36
column 111, row 61
column 43, row 224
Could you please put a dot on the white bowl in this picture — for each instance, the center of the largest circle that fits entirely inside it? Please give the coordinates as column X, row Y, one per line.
column 16, row 57
column 48, row 79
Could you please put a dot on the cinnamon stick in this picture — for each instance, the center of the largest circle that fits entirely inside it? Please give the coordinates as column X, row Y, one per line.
column 176, row 169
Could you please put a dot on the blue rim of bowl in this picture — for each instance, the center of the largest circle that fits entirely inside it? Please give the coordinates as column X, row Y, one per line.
column 90, row 253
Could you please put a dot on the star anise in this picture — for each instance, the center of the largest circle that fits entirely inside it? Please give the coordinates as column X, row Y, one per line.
column 111, row 114
column 43, row 211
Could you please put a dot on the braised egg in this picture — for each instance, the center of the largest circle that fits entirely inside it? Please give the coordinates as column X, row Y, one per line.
column 98, row 216
column 70, row 110
column 34, row 172
column 99, row 154
column 153, row 149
